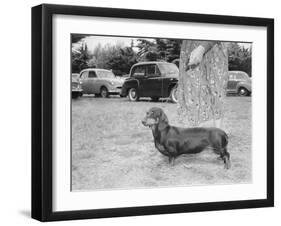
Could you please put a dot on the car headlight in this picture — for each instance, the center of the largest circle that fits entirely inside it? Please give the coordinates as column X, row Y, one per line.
column 111, row 83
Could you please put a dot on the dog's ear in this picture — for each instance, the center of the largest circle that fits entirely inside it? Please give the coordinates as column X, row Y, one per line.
column 163, row 121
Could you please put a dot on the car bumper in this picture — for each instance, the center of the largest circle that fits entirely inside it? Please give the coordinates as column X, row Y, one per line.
column 77, row 90
column 114, row 90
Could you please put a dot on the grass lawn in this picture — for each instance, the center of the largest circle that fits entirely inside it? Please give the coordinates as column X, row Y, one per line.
column 112, row 149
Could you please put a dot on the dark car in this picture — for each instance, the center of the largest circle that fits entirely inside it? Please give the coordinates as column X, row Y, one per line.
column 151, row 79
column 76, row 86
column 239, row 83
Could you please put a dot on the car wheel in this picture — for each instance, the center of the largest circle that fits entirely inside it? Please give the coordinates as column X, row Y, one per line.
column 75, row 95
column 243, row 92
column 173, row 95
column 104, row 92
column 133, row 95
column 154, row 99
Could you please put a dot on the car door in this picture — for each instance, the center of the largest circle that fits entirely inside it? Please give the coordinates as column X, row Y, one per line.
column 139, row 74
column 84, row 80
column 92, row 82
column 232, row 82
column 153, row 83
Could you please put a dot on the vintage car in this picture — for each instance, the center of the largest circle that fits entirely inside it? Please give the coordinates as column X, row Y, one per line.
column 100, row 82
column 176, row 62
column 239, row 83
column 151, row 79
column 76, row 86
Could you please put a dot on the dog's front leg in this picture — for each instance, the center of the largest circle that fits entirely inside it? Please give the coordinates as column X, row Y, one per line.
column 172, row 160
column 160, row 148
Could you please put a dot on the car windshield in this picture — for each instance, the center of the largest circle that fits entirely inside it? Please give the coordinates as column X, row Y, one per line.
column 238, row 75
column 169, row 68
column 105, row 74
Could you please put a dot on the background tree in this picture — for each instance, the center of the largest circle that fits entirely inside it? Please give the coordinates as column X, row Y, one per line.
column 117, row 58
column 120, row 58
column 168, row 49
column 158, row 50
column 240, row 58
column 122, row 62
column 147, row 50
column 80, row 58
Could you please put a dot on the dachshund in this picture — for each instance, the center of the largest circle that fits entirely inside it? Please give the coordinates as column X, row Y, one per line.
column 173, row 141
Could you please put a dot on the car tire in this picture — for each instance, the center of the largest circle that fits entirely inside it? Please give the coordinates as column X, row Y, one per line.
column 74, row 95
column 243, row 92
column 173, row 94
column 154, row 99
column 133, row 94
column 104, row 92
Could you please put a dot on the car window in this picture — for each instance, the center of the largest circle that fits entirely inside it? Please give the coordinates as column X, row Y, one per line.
column 92, row 74
column 138, row 71
column 240, row 76
column 152, row 70
column 84, row 75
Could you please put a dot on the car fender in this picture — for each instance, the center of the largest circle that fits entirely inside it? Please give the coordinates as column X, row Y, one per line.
column 101, row 83
column 128, row 84
column 105, row 83
column 168, row 89
column 172, row 84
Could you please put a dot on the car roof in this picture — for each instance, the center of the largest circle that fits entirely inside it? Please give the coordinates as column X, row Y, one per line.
column 237, row 72
column 151, row 62
column 94, row 69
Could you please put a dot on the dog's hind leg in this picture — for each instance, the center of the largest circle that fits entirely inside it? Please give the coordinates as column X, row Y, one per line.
column 223, row 155
column 226, row 158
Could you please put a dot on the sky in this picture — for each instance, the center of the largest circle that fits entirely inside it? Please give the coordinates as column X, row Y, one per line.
column 93, row 41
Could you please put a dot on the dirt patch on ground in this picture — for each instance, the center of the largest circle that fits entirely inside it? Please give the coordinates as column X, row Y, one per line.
column 112, row 149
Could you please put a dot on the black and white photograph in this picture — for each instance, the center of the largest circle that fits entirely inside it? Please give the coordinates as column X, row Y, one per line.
column 140, row 113
column 153, row 112
column 143, row 112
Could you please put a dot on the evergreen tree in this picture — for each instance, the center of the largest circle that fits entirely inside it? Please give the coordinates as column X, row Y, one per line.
column 240, row 58
column 123, row 61
column 80, row 58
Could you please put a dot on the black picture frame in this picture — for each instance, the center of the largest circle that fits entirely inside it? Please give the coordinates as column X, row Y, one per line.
column 42, row 107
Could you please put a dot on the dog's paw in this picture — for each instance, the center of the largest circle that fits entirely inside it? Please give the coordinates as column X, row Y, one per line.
column 219, row 158
column 227, row 165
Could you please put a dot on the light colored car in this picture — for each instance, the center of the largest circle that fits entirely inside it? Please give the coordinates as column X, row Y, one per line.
column 239, row 83
column 76, row 86
column 100, row 82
